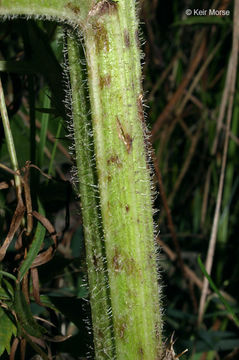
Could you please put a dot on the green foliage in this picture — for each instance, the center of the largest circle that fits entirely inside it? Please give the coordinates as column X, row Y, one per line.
column 223, row 300
column 24, row 315
column 7, row 330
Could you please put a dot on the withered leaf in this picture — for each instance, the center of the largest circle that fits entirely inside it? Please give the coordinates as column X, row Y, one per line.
column 15, row 224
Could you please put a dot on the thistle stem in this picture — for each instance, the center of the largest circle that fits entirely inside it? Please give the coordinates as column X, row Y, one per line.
column 97, row 274
column 113, row 60
column 119, row 237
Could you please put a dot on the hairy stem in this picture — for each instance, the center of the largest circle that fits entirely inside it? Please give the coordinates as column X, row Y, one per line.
column 129, row 289
column 97, row 275
column 113, row 60
column 73, row 12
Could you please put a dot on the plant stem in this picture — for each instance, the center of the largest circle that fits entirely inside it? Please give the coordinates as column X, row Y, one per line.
column 130, row 285
column 113, row 60
column 72, row 11
column 43, row 133
column 53, row 154
column 9, row 139
column 97, row 275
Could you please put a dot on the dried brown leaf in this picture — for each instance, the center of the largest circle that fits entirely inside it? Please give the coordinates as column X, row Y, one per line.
column 46, row 223
column 43, row 257
column 35, row 285
column 15, row 224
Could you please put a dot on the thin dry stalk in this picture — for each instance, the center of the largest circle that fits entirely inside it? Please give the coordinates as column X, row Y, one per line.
column 168, row 213
column 190, row 273
column 28, row 199
column 194, row 139
column 205, row 196
column 197, row 78
column 233, row 72
column 23, row 349
column 187, row 162
column 223, row 106
column 163, row 77
column 14, row 348
column 221, row 116
column 173, row 232
column 232, row 136
column 185, row 128
column 166, row 133
column 196, row 102
column 50, row 137
column 180, row 90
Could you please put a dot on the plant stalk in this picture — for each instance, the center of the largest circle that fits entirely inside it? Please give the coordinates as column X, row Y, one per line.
column 114, row 77
column 97, row 274
column 9, row 140
column 74, row 12
column 122, row 237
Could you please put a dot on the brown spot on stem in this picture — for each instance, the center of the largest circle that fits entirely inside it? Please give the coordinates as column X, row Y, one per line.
column 104, row 7
column 122, row 262
column 105, row 81
column 108, row 7
column 75, row 9
column 127, row 208
column 100, row 334
column 117, row 261
column 95, row 261
column 132, row 268
column 109, row 178
column 157, row 332
column 140, row 108
column 137, row 38
column 126, row 39
column 141, row 352
column 124, row 136
column 122, row 328
column 101, row 37
column 114, row 159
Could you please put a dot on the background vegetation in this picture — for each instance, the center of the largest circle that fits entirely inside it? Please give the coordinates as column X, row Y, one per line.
column 188, row 94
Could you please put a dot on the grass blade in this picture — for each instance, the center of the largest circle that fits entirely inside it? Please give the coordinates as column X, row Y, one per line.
column 214, row 287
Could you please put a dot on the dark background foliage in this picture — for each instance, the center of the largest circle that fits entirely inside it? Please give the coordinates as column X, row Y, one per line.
column 177, row 50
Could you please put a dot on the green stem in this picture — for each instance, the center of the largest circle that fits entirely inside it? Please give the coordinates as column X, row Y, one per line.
column 97, row 276
column 9, row 139
column 114, row 77
column 72, row 11
column 53, row 154
column 113, row 60
column 44, row 128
